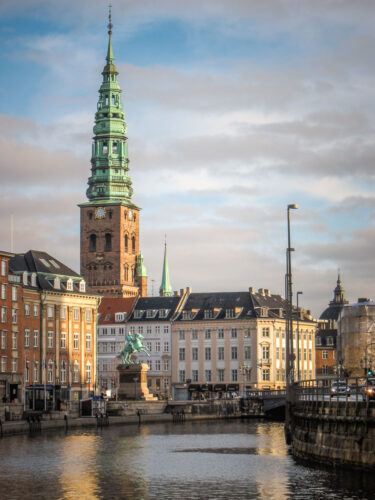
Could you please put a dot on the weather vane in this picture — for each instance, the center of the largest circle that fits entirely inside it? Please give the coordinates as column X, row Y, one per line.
column 110, row 25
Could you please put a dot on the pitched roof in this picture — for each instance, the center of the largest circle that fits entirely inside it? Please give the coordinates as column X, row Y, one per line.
column 110, row 306
column 156, row 304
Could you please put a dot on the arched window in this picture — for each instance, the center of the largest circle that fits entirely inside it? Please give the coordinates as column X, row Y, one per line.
column 92, row 243
column 108, row 242
column 133, row 244
column 126, row 273
column 126, row 242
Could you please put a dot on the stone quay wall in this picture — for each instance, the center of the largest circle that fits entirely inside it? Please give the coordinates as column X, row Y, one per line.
column 335, row 432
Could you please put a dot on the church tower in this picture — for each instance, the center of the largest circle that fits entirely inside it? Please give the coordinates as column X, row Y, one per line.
column 165, row 289
column 111, row 262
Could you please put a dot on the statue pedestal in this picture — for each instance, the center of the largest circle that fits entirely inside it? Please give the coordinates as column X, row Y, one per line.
column 133, row 382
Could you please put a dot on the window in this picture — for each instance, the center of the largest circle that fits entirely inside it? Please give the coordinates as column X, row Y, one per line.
column 27, row 372
column 140, row 329
column 194, row 375
column 207, row 375
column 14, row 293
column 208, row 314
column 149, row 362
column 3, row 291
column 4, row 364
column 138, row 314
column 277, row 352
column 157, row 346
column 63, row 371
column 324, row 354
column 305, row 354
column 88, row 315
column 181, row 354
column 3, row 315
column 157, row 330
column 220, row 333
column 36, row 310
column 36, row 371
column 14, row 316
column 3, row 268
column 266, row 331
column 76, row 341
column 50, row 311
column 27, row 338
column 247, row 333
column 27, row 309
column 92, row 243
column 207, row 334
column 221, row 375
column 88, row 341
column 207, row 353
column 157, row 365
column 69, row 284
column 50, row 339
column 166, row 365
column 76, row 314
column 163, row 313
column 318, row 341
column 283, row 354
column 181, row 376
column 234, row 375
column 325, row 369
column 181, row 334
column 194, row 334
column 133, row 244
column 3, row 340
column 14, row 340
column 233, row 333
column 114, row 146
column 330, row 341
column 148, row 329
column 166, row 329
column 149, row 346
column 194, row 353
column 82, row 286
column 234, row 352
column 247, row 352
column 265, row 374
column 63, row 340
column 50, row 372
column 166, row 347
column 88, row 371
column 36, row 338
column 266, row 353
column 220, row 353
column 76, row 371
column 108, row 242
column 229, row 313
column 126, row 242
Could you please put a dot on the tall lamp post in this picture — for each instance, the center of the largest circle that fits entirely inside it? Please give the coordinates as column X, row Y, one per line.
column 298, row 349
column 289, row 329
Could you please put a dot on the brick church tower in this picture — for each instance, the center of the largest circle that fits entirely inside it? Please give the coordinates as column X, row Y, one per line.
column 111, row 262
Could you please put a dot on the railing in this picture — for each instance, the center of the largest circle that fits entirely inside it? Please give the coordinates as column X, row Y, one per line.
column 254, row 394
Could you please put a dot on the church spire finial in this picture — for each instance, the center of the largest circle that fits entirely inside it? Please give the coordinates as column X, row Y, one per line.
column 165, row 287
column 110, row 25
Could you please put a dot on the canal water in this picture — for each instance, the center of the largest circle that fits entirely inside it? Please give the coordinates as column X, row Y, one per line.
column 192, row 460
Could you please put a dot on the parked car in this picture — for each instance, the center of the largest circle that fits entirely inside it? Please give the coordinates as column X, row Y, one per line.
column 370, row 388
column 339, row 387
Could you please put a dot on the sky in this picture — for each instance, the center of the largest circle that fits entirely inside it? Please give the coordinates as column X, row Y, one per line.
column 234, row 110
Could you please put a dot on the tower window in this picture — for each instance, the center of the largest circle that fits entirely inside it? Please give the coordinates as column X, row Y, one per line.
column 108, row 242
column 105, row 148
column 113, row 100
column 110, row 215
column 126, row 273
column 114, row 148
column 92, row 243
column 106, row 100
column 126, row 242
column 90, row 215
column 133, row 244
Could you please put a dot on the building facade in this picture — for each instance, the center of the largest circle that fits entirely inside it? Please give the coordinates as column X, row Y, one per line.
column 53, row 331
column 232, row 342
column 326, row 336
column 111, row 262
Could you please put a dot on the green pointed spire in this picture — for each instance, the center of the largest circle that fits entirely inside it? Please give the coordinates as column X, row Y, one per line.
column 110, row 181
column 140, row 269
column 165, row 289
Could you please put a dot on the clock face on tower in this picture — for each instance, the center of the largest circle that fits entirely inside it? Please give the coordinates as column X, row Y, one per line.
column 100, row 213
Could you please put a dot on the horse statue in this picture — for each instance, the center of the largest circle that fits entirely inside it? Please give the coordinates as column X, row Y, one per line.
column 133, row 344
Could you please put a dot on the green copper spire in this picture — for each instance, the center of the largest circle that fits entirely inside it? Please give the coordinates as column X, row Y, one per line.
column 109, row 181
column 165, row 289
column 140, row 269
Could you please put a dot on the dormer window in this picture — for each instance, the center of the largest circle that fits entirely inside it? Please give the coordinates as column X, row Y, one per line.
column 263, row 312
column 151, row 313
column 56, row 283
column 33, row 279
column 209, row 314
column 138, row 314
column 187, row 315
column 24, row 278
column 163, row 313
column 82, row 286
column 120, row 316
column 229, row 313
column 69, row 284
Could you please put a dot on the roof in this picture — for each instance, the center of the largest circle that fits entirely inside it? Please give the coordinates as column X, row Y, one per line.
column 332, row 312
column 245, row 305
column 110, row 306
column 167, row 304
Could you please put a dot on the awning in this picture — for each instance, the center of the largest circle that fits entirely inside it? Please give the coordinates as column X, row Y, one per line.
column 194, row 387
column 233, row 387
column 220, row 387
column 40, row 387
column 206, row 387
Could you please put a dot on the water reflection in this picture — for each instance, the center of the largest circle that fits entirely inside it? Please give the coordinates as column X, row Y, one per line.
column 242, row 460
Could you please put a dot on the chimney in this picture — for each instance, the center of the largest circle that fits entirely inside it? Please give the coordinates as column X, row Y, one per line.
column 182, row 291
column 261, row 291
column 176, row 293
column 267, row 292
column 251, row 290
column 188, row 290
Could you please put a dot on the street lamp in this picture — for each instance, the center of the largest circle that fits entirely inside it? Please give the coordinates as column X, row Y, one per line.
column 298, row 350
column 289, row 297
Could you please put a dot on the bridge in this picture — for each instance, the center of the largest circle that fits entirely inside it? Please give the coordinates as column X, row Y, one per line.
column 264, row 403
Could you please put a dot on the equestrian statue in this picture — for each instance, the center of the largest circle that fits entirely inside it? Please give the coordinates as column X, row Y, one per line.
column 133, row 343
